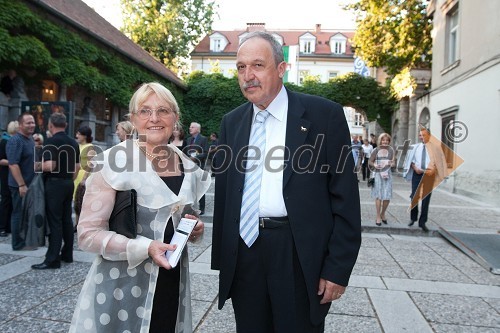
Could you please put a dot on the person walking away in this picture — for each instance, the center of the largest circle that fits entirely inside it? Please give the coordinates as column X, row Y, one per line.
column 20, row 154
column 381, row 162
column 6, row 199
column 286, row 231
column 60, row 164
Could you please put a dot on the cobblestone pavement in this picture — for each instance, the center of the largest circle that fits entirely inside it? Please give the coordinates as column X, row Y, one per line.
column 405, row 280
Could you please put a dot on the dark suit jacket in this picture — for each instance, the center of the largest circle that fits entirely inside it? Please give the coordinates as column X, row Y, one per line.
column 200, row 146
column 321, row 197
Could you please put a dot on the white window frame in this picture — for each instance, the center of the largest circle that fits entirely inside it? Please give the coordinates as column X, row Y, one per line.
column 307, row 43
column 452, row 36
column 338, row 44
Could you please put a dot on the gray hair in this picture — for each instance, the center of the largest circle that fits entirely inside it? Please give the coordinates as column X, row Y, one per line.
column 275, row 45
column 58, row 120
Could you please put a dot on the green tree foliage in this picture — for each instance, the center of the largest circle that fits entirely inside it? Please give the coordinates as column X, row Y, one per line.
column 393, row 33
column 49, row 51
column 167, row 29
column 210, row 96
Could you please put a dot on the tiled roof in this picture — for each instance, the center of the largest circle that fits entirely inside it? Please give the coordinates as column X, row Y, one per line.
column 290, row 37
column 85, row 19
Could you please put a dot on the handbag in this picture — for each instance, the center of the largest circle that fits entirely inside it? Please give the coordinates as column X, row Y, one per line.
column 123, row 219
column 371, row 182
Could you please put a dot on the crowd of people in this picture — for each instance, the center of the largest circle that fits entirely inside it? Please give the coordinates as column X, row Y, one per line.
column 280, row 262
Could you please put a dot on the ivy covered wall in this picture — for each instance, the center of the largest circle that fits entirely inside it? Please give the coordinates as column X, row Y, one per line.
column 49, row 50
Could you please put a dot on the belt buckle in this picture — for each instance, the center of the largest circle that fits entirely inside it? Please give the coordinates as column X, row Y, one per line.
column 261, row 222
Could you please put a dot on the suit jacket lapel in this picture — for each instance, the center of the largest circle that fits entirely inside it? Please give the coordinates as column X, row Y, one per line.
column 297, row 130
column 242, row 136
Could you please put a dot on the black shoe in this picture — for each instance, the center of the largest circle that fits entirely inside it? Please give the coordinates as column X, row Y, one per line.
column 411, row 223
column 3, row 233
column 424, row 228
column 44, row 265
column 384, row 221
column 201, row 213
column 67, row 260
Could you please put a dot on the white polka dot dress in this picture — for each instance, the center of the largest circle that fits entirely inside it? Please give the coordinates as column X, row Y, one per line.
column 117, row 295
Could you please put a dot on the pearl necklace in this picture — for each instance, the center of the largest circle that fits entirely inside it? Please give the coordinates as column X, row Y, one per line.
column 146, row 152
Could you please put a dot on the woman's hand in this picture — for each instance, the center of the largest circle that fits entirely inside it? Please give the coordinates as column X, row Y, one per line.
column 198, row 229
column 157, row 251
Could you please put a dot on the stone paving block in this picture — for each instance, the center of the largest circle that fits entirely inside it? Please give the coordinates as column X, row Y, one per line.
column 26, row 324
column 220, row 321
column 194, row 251
column 389, row 270
column 348, row 324
column 373, row 255
column 423, row 271
column 493, row 302
column 59, row 308
column 354, row 302
column 446, row 328
column 458, row 310
column 411, row 256
column 397, row 313
column 8, row 258
column 440, row 287
column 74, row 291
column 199, row 308
column 204, row 287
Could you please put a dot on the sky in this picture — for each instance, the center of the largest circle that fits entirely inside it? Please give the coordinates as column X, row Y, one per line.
column 235, row 14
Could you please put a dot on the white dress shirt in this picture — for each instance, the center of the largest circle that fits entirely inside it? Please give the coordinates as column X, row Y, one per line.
column 417, row 158
column 272, row 203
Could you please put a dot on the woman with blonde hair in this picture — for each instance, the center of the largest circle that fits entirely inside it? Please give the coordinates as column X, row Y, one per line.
column 131, row 286
column 124, row 130
column 381, row 162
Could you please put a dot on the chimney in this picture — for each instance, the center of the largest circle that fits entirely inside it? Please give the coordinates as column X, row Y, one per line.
column 256, row 27
column 318, row 28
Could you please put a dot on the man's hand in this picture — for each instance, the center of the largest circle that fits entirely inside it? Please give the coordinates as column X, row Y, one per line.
column 23, row 190
column 198, row 229
column 330, row 291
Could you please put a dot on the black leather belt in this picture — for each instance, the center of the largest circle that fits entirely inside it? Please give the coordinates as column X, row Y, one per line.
column 272, row 222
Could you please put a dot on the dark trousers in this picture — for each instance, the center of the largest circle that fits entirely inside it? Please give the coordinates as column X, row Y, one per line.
column 365, row 169
column 5, row 208
column 427, row 188
column 58, row 197
column 15, row 219
column 269, row 293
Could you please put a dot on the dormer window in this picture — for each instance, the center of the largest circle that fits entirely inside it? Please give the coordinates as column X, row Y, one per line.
column 307, row 43
column 217, row 42
column 338, row 44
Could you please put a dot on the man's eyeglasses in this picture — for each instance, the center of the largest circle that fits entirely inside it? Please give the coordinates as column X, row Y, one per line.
column 160, row 112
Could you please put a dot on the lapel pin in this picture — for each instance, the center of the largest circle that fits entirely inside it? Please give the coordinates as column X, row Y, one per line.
column 303, row 129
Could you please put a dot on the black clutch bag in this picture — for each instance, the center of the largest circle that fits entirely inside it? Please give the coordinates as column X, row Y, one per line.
column 123, row 219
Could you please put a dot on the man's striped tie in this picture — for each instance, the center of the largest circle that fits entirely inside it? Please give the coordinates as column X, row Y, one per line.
column 249, row 218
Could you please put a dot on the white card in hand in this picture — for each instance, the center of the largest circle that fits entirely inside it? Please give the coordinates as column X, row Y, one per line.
column 180, row 238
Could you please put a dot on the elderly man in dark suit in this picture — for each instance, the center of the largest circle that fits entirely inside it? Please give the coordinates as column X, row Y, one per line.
column 287, row 224
column 197, row 149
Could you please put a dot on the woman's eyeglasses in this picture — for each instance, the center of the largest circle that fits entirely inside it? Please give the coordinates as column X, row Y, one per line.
column 160, row 112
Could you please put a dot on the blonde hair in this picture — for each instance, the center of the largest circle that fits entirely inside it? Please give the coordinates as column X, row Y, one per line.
column 381, row 136
column 126, row 125
column 12, row 127
column 148, row 89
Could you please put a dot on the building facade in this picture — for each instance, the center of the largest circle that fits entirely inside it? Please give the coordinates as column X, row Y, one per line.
column 463, row 105
column 323, row 54
column 88, row 105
